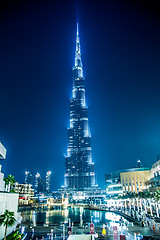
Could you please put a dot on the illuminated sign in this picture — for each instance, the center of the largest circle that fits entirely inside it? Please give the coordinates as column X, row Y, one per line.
column 91, row 228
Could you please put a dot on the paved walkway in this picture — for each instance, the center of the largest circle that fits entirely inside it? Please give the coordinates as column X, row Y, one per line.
column 41, row 232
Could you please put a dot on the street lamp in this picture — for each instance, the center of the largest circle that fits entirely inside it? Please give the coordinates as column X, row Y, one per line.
column 51, row 234
column 69, row 222
column 63, row 231
column 63, row 225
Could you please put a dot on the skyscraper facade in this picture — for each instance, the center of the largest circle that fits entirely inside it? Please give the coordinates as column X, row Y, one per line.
column 40, row 184
column 79, row 168
column 28, row 178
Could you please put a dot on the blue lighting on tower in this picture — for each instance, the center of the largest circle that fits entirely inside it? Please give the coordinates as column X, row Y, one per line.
column 79, row 168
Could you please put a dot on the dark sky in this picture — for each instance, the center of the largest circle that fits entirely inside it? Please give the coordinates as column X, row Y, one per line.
column 120, row 43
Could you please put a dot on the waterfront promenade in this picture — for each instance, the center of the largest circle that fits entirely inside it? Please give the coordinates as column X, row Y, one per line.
column 57, row 232
column 54, row 223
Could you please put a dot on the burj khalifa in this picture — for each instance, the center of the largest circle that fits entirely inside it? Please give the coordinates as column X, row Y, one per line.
column 79, row 167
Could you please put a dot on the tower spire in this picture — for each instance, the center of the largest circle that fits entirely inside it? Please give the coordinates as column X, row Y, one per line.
column 79, row 168
column 78, row 61
column 77, row 29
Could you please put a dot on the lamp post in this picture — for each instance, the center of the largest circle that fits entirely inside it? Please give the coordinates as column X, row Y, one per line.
column 32, row 232
column 81, row 213
column 69, row 222
column 51, row 234
column 63, row 231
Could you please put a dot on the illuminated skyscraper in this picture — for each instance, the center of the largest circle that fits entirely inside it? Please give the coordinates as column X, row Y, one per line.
column 48, row 179
column 40, row 184
column 28, row 178
column 79, row 168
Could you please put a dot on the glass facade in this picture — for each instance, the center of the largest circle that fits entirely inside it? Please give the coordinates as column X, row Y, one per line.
column 40, row 184
column 48, row 180
column 79, row 168
column 28, row 178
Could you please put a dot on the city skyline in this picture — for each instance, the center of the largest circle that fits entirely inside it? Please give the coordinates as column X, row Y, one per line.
column 121, row 55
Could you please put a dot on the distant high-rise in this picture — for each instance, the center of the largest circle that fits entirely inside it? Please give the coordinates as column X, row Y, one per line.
column 28, row 178
column 40, row 184
column 79, row 168
column 48, row 180
column 139, row 164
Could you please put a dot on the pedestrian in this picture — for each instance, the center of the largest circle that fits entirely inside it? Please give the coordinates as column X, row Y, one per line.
column 154, row 228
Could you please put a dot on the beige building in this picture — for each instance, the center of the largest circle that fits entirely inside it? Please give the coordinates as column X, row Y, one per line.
column 134, row 180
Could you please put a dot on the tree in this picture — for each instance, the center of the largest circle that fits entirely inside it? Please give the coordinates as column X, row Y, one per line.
column 157, row 196
column 9, row 180
column 7, row 219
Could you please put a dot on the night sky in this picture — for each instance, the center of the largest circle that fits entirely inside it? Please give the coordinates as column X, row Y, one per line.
column 120, row 43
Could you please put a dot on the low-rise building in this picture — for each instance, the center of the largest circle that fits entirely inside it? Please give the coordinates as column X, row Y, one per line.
column 2, row 151
column 8, row 200
column 2, row 183
column 134, row 180
column 113, row 184
column 26, row 193
column 2, row 156
column 127, row 181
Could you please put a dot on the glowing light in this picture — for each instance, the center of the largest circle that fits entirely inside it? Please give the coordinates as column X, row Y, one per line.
column 113, row 217
column 22, row 229
column 77, row 30
column 115, row 192
column 82, row 119
column 114, row 185
column 37, row 175
column 73, row 119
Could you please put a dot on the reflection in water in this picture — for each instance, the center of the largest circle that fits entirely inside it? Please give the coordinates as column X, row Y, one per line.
column 47, row 217
column 34, row 218
column 59, row 216
column 97, row 216
column 112, row 216
column 65, row 214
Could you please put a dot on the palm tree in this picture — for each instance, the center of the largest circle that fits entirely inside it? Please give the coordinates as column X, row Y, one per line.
column 157, row 195
column 7, row 219
column 9, row 180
